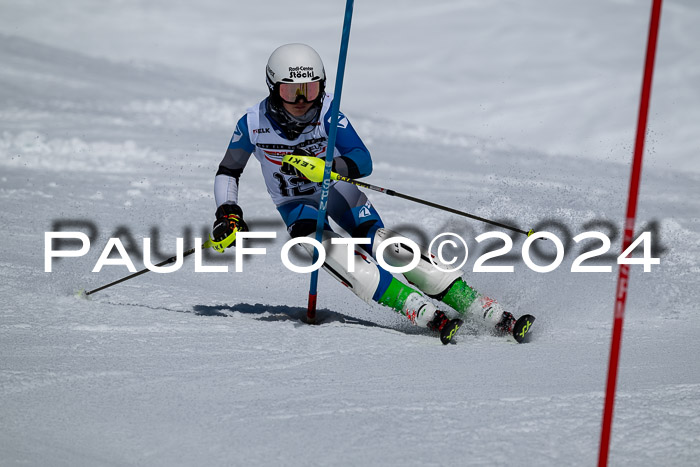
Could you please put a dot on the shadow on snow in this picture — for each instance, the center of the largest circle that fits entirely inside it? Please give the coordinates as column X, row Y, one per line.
column 264, row 312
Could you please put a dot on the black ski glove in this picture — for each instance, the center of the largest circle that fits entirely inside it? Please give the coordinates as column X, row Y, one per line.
column 229, row 219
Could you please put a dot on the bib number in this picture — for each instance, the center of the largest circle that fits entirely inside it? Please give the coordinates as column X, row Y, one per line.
column 295, row 186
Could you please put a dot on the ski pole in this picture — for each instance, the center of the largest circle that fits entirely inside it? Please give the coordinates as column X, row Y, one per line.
column 209, row 243
column 312, row 168
column 326, row 171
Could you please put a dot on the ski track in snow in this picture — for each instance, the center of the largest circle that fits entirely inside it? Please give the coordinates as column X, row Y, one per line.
column 219, row 369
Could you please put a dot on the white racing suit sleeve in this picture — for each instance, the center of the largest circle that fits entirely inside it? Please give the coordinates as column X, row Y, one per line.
column 231, row 167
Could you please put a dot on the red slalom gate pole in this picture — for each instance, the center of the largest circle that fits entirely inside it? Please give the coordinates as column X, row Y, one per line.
column 623, row 276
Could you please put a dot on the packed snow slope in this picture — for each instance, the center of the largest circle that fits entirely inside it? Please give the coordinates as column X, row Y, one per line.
column 219, row 369
column 559, row 76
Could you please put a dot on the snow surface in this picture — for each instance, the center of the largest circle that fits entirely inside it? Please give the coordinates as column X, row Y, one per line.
column 117, row 114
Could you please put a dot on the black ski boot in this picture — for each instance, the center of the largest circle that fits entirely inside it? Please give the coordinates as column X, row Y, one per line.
column 445, row 326
column 505, row 326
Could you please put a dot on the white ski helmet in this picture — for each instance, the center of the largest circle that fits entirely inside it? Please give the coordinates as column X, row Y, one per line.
column 295, row 63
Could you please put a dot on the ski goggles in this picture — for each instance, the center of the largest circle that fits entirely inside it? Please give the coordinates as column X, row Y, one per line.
column 290, row 92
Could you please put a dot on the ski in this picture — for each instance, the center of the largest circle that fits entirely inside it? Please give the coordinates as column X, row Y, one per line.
column 522, row 327
column 449, row 330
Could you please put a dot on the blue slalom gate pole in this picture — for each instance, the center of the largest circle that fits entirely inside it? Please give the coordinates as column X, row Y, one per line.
column 330, row 150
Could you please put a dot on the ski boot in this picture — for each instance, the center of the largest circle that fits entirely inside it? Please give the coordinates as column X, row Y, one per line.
column 506, row 324
column 421, row 312
column 501, row 322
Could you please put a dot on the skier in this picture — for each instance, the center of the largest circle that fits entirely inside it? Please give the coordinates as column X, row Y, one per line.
column 295, row 119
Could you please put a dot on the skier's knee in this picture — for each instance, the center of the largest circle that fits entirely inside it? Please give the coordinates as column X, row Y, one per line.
column 367, row 229
column 302, row 228
column 432, row 281
column 365, row 280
